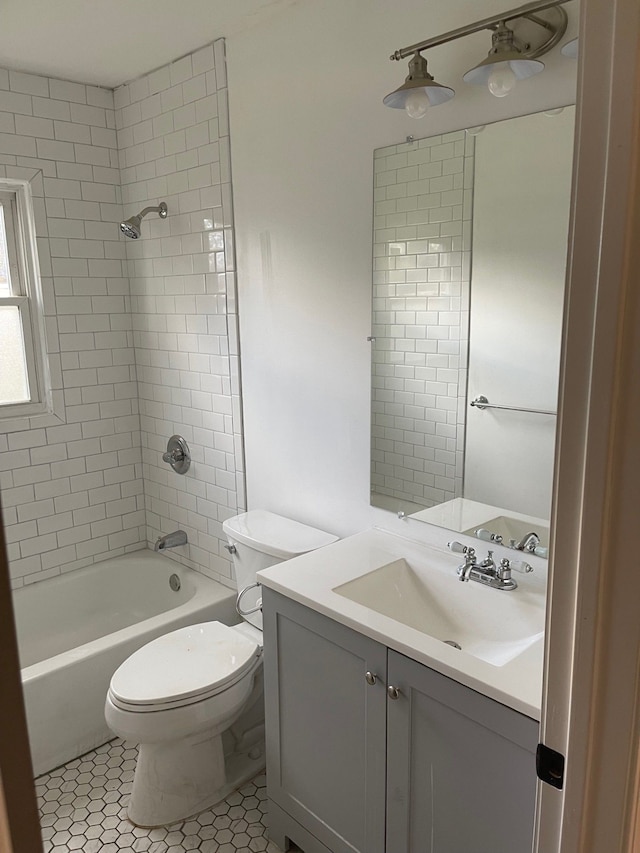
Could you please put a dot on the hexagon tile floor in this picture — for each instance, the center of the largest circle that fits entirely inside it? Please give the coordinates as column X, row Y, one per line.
column 83, row 807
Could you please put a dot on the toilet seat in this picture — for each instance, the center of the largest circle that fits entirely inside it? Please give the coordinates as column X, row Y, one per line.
column 183, row 667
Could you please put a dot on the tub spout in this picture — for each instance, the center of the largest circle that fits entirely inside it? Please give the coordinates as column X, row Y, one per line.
column 171, row 540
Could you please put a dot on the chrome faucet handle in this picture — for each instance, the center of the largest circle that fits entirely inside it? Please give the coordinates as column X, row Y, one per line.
column 177, row 454
column 503, row 571
column 464, row 569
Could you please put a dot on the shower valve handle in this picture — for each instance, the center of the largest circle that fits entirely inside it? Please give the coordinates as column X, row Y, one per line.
column 177, row 454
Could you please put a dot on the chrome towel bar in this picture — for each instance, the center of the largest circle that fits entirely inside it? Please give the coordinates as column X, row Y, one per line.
column 481, row 402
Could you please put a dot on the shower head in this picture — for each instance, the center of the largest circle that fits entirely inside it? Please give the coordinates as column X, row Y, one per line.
column 131, row 227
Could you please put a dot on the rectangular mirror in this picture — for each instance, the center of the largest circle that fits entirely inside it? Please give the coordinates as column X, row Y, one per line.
column 470, row 244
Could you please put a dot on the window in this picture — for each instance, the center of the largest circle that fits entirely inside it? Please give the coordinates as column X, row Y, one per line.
column 22, row 368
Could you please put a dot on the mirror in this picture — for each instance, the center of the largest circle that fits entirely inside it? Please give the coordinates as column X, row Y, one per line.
column 470, row 244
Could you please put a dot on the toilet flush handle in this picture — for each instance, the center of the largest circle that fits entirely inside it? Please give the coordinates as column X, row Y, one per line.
column 255, row 609
column 231, row 549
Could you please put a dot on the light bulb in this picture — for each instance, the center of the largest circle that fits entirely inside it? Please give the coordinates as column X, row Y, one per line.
column 417, row 103
column 501, row 80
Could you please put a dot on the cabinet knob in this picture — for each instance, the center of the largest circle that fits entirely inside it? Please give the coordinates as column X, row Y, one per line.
column 370, row 678
column 393, row 692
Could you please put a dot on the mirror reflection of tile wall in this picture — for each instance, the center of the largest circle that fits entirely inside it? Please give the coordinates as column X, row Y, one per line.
column 422, row 258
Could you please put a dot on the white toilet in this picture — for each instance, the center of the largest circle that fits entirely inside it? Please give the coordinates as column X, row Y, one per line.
column 193, row 698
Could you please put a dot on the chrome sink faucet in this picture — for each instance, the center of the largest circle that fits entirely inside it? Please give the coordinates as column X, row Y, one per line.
column 487, row 572
column 529, row 542
column 171, row 540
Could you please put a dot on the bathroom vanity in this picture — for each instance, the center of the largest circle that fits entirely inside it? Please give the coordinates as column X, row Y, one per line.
column 383, row 738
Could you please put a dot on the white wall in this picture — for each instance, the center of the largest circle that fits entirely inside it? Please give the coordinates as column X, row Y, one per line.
column 306, row 114
column 519, row 249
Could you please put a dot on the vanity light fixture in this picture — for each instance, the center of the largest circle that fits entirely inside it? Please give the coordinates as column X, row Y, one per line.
column 519, row 37
column 504, row 66
column 419, row 91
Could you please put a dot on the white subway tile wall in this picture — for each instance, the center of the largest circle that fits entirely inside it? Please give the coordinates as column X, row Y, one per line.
column 71, row 482
column 141, row 335
column 422, row 256
column 174, row 146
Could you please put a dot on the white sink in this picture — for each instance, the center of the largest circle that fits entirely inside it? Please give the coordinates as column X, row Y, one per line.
column 493, row 625
column 405, row 594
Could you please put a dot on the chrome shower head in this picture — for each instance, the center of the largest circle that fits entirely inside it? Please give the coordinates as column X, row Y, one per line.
column 131, row 227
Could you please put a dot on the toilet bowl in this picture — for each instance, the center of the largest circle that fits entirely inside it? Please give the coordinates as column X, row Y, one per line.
column 192, row 699
column 175, row 697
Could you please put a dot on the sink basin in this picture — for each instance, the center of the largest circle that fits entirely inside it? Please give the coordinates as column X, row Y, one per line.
column 512, row 528
column 491, row 625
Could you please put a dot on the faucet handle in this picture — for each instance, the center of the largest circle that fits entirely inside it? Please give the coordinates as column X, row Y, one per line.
column 488, row 536
column 521, row 566
column 459, row 548
column 177, row 455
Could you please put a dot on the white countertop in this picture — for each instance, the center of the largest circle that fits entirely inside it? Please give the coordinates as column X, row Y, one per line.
column 311, row 578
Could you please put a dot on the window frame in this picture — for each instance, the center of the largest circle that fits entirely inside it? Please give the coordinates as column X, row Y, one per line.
column 22, row 260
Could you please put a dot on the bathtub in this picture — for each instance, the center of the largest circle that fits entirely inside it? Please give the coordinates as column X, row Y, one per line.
column 76, row 629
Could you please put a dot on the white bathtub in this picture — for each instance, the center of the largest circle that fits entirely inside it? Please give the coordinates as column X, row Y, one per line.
column 76, row 629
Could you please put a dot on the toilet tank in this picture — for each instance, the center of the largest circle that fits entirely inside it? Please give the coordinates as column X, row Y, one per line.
column 262, row 539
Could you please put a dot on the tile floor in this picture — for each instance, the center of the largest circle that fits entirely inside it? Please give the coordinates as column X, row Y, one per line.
column 83, row 807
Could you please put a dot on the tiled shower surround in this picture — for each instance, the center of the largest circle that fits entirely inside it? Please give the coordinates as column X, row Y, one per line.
column 422, row 243
column 173, row 139
column 141, row 335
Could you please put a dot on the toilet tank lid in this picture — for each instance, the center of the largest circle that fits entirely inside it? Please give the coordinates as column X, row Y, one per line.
column 275, row 535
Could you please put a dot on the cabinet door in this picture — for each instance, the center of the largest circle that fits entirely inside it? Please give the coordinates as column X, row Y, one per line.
column 326, row 727
column 461, row 767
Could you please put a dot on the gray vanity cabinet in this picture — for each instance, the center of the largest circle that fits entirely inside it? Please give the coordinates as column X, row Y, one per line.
column 351, row 769
column 325, row 731
column 460, row 767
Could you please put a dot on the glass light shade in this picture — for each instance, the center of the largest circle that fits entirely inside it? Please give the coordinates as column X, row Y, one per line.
column 570, row 49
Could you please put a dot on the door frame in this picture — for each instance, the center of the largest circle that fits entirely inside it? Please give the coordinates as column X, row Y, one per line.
column 19, row 823
column 591, row 694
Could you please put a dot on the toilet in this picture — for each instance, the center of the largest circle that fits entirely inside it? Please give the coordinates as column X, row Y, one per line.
column 192, row 699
